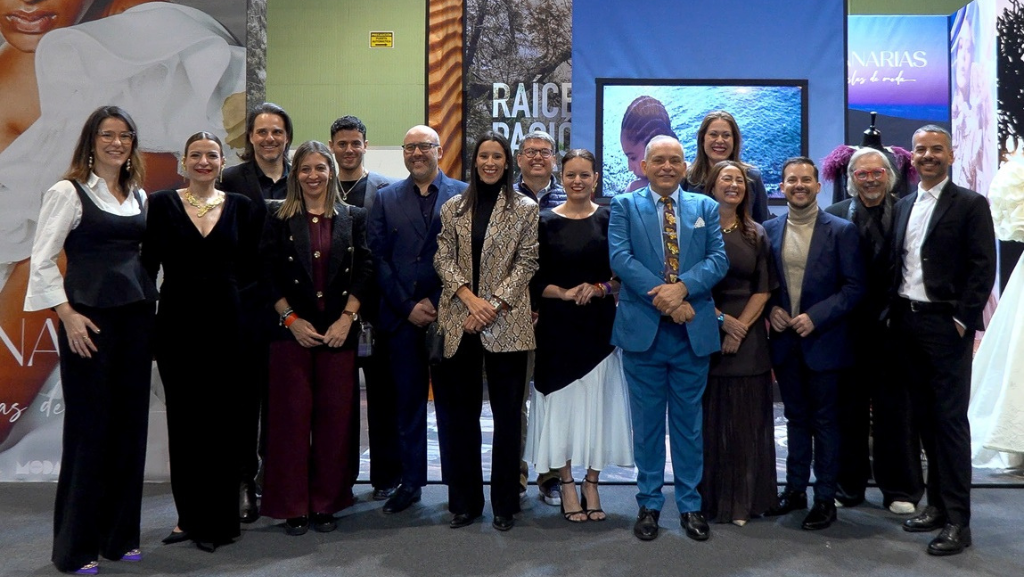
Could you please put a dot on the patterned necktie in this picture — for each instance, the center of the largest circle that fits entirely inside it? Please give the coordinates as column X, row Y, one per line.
column 671, row 236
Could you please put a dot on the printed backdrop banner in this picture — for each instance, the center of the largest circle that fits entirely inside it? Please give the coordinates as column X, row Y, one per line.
column 177, row 68
column 518, row 64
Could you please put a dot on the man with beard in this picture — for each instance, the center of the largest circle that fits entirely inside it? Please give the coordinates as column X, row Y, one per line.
column 358, row 187
column 870, row 398
column 262, row 176
column 821, row 279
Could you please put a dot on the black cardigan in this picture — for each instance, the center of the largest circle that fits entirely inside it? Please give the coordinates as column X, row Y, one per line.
column 287, row 266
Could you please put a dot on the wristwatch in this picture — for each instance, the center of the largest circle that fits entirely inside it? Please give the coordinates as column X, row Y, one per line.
column 721, row 320
column 496, row 304
column 355, row 316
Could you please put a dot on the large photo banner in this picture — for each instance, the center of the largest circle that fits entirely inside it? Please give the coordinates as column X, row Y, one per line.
column 518, row 70
column 897, row 66
column 177, row 68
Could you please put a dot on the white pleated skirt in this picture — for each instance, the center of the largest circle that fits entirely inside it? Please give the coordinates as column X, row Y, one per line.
column 587, row 422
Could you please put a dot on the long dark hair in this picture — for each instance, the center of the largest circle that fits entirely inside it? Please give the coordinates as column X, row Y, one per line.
column 699, row 173
column 468, row 203
column 250, row 124
column 132, row 173
column 746, row 224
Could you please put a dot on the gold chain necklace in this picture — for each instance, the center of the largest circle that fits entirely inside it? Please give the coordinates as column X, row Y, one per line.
column 204, row 206
column 344, row 193
column 731, row 227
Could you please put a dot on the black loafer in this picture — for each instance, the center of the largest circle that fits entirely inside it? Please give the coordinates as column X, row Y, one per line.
column 206, row 546
column 929, row 520
column 822, row 515
column 248, row 506
column 323, row 522
column 461, row 520
column 952, row 540
column 695, row 525
column 646, row 526
column 296, row 526
column 175, row 537
column 787, row 502
column 383, row 493
column 403, row 498
column 502, row 523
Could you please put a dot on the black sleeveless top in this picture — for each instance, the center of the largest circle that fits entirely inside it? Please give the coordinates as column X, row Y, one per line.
column 104, row 269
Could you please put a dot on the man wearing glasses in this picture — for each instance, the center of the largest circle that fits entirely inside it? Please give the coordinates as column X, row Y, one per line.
column 868, row 388
column 536, row 159
column 402, row 234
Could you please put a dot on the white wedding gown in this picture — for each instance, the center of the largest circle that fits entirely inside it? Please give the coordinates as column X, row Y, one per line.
column 996, row 409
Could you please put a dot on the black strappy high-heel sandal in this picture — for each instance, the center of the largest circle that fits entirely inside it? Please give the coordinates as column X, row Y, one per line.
column 568, row 515
column 583, row 503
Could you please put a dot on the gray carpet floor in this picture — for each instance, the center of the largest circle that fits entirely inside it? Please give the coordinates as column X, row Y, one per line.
column 866, row 541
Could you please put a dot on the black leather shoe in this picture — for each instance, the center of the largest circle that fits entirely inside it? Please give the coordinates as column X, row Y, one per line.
column 848, row 499
column 403, row 498
column 788, row 501
column 248, row 507
column 952, row 540
column 929, row 520
column 206, row 546
column 323, row 522
column 175, row 537
column 695, row 525
column 383, row 493
column 461, row 520
column 502, row 523
column 296, row 526
column 822, row 515
column 646, row 526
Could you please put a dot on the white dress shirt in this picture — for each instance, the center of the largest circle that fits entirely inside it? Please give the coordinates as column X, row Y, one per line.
column 912, row 286
column 60, row 214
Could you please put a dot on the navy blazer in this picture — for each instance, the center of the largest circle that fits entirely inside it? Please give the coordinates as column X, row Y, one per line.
column 958, row 256
column 833, row 285
column 403, row 247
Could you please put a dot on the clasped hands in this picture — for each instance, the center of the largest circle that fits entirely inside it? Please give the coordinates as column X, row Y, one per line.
column 580, row 294
column 481, row 314
column 670, row 300
column 305, row 334
column 801, row 323
column 735, row 331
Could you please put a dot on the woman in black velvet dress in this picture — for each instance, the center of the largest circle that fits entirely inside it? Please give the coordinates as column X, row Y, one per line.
column 204, row 239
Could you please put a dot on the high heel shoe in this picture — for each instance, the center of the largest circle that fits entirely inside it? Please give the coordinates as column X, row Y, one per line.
column 175, row 537
column 568, row 515
column 583, row 503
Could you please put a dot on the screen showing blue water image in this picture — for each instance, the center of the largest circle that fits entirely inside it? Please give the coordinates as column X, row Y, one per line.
column 771, row 114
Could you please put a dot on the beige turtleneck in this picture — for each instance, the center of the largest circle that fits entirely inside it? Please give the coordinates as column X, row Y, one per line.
column 796, row 243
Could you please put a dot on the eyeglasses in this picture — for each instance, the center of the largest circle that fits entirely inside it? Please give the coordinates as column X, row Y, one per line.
column 108, row 136
column 543, row 152
column 875, row 174
column 420, row 146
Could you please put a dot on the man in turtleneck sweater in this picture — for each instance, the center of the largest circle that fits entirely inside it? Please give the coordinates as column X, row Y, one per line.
column 817, row 257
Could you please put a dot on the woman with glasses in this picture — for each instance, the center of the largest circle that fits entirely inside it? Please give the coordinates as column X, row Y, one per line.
column 204, row 239
column 718, row 139
column 105, row 301
column 486, row 255
column 318, row 270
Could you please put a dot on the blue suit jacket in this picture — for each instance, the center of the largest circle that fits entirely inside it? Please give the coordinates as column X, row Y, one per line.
column 637, row 249
column 403, row 247
column 834, row 283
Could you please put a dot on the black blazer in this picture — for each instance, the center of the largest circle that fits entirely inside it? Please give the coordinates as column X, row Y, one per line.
column 958, row 256
column 288, row 269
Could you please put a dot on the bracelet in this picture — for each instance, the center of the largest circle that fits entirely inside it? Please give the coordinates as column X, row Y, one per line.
column 353, row 314
column 607, row 288
column 289, row 319
column 600, row 287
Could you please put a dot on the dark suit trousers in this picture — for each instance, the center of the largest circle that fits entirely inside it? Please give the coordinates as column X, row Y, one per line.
column 313, row 401
column 812, row 426
column 874, row 402
column 458, row 394
column 382, row 420
column 99, row 490
column 408, row 364
column 936, row 363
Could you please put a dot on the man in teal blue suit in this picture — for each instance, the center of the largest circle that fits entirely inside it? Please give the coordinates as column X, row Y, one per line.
column 667, row 249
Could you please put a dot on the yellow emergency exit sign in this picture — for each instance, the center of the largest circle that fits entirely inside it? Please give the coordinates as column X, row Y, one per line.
column 382, row 39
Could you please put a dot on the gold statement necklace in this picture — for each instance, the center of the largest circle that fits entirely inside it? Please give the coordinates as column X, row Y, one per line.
column 731, row 227
column 204, row 206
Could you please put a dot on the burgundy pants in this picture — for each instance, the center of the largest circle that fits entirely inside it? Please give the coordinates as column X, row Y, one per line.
column 312, row 405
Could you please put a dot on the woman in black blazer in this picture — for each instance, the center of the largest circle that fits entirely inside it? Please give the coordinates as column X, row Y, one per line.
column 317, row 269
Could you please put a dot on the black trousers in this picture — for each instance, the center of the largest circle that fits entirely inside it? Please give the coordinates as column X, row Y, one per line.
column 458, row 397
column 257, row 322
column 935, row 361
column 106, row 418
column 410, row 371
column 874, row 402
column 381, row 417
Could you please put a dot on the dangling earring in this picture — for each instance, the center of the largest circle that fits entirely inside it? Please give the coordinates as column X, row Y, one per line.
column 90, row 162
column 128, row 165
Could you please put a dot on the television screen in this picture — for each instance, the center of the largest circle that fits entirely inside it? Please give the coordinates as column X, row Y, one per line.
column 772, row 116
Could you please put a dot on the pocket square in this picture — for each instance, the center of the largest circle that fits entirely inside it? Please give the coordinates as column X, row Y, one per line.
column 699, row 223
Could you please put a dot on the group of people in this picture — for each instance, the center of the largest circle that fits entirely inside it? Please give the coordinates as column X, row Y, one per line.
column 667, row 302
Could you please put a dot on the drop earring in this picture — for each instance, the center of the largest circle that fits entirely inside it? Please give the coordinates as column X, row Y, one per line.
column 128, row 165
column 90, row 162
